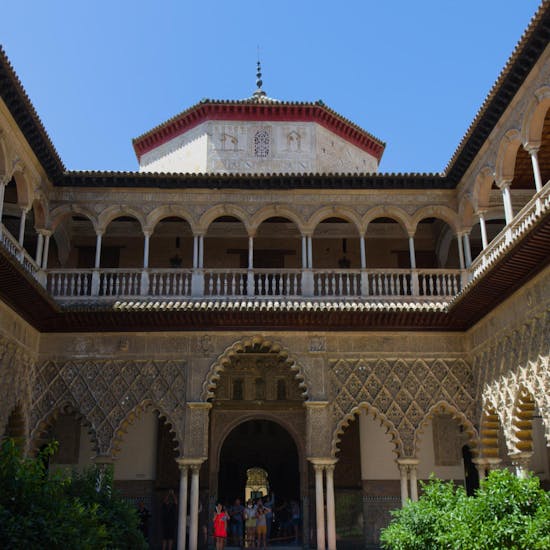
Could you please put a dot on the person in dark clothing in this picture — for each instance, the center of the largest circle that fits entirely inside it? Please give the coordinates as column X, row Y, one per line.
column 144, row 516
column 169, row 520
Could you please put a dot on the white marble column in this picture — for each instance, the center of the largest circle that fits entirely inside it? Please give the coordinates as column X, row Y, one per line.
column 533, row 152
column 507, row 200
column 403, row 471
column 412, row 253
column 521, row 462
column 319, row 505
column 98, row 249
column 467, row 249
column 39, row 248
column 194, row 507
column 331, row 511
column 413, row 473
column 483, row 228
column 46, row 251
column 309, row 252
column 22, row 222
column 304, row 252
column 460, row 250
column 363, row 252
column 250, row 252
column 201, row 252
column 146, row 237
column 481, row 467
column 195, row 251
column 182, row 506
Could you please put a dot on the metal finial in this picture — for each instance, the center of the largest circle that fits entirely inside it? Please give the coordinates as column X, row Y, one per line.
column 259, row 93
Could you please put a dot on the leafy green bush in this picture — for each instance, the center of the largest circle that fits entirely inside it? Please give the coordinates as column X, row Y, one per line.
column 506, row 512
column 55, row 511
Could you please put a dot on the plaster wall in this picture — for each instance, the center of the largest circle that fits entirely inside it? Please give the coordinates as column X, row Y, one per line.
column 378, row 462
column 229, row 147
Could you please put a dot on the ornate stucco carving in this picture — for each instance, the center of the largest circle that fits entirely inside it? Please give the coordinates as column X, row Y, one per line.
column 109, row 394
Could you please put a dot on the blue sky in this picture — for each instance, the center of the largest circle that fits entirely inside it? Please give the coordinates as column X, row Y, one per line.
column 414, row 74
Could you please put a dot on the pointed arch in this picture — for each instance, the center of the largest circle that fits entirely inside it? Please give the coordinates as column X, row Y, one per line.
column 459, row 416
column 377, row 415
column 222, row 210
column 44, row 425
column 146, row 405
column 254, row 343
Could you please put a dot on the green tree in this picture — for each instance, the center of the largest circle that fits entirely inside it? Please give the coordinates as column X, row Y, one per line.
column 58, row 511
column 506, row 512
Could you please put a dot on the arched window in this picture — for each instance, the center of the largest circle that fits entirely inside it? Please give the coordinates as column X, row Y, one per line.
column 261, row 143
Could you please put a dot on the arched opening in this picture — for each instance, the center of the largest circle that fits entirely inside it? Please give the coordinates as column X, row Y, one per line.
column 366, row 481
column 122, row 244
column 436, row 245
column 387, row 245
column 226, row 257
column 494, row 224
column 544, row 151
column 171, row 244
column 15, row 427
column 146, row 471
column 336, row 258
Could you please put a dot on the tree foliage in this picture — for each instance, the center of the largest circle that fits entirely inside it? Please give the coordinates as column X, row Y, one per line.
column 506, row 512
column 54, row 510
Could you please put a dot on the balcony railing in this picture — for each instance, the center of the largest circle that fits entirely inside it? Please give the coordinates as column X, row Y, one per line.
column 88, row 285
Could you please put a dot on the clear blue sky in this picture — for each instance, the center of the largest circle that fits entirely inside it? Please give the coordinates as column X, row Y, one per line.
column 413, row 74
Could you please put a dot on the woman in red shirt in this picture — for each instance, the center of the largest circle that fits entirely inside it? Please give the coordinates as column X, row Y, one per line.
column 220, row 526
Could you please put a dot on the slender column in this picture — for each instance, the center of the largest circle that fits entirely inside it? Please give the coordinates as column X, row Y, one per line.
column 319, row 506
column 507, row 199
column 201, row 251
column 194, row 505
column 521, row 462
column 22, row 225
column 304, row 252
column 250, row 252
column 460, row 250
column 331, row 515
column 413, row 479
column 363, row 252
column 309, row 252
column 39, row 248
column 403, row 470
column 98, row 250
column 195, row 251
column 3, row 183
column 147, row 235
column 467, row 249
column 182, row 508
column 533, row 151
column 46, row 251
column 363, row 444
column 412, row 253
column 483, row 228
column 481, row 467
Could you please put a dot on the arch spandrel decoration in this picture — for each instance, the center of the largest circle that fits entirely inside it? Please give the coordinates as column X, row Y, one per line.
column 109, row 392
column 255, row 343
column 515, row 363
column 402, row 391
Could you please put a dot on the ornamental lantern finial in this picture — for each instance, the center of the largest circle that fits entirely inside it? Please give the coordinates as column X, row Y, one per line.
column 259, row 92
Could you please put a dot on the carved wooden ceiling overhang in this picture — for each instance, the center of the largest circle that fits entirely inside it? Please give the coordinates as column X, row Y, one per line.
column 524, row 259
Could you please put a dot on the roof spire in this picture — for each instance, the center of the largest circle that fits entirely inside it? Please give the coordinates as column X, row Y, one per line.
column 259, row 93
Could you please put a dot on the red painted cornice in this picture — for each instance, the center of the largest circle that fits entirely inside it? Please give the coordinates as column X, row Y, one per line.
column 254, row 111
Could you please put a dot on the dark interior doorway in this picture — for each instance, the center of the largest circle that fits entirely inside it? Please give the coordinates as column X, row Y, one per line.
column 259, row 444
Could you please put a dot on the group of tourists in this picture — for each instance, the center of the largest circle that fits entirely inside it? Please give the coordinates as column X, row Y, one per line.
column 250, row 526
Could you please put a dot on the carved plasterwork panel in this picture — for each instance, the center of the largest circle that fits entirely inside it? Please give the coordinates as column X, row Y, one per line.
column 402, row 391
column 514, row 363
column 109, row 393
column 446, row 440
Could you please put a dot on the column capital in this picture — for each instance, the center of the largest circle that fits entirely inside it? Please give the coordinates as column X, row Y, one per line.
column 408, row 461
column 532, row 148
column 503, row 183
column 190, row 462
column 5, row 179
column 322, row 462
column 44, row 232
column 104, row 460
column 316, row 405
column 481, row 212
column 99, row 232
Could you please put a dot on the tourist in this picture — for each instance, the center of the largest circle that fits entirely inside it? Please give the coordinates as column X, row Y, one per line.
column 250, row 524
column 169, row 520
column 236, row 524
column 261, row 524
column 220, row 526
column 143, row 515
column 270, row 505
column 295, row 518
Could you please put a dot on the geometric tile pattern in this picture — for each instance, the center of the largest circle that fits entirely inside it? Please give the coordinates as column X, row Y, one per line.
column 402, row 393
column 109, row 394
